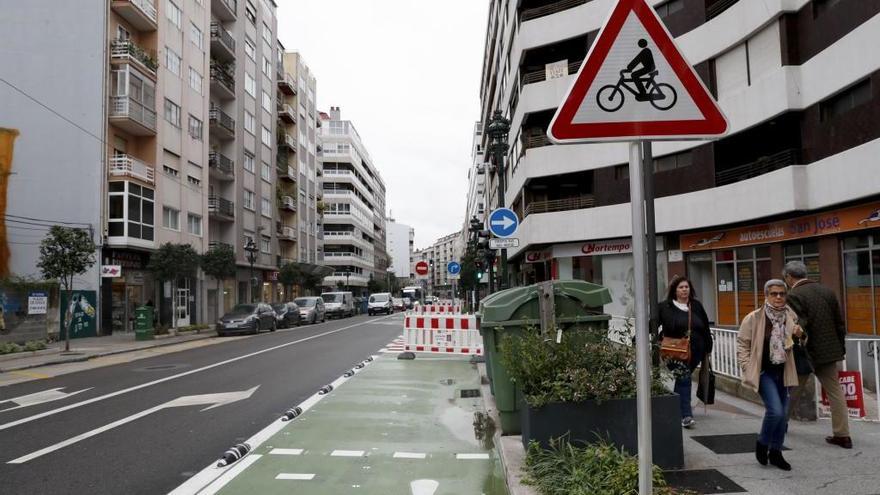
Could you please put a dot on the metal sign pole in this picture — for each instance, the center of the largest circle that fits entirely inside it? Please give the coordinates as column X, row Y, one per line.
column 643, row 351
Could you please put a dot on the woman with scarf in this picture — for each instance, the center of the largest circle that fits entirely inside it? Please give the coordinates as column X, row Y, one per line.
column 764, row 353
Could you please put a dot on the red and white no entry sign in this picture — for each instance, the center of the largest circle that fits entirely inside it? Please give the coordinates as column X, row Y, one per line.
column 422, row 268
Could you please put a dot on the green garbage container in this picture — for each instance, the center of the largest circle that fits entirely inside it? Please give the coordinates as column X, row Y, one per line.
column 577, row 305
column 143, row 323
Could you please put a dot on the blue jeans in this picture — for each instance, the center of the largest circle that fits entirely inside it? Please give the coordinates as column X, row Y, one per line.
column 774, row 393
column 683, row 389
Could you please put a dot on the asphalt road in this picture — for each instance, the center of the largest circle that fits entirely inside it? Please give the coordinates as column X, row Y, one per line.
column 156, row 451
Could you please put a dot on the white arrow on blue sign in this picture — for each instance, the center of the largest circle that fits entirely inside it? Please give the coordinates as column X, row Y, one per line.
column 503, row 222
column 453, row 268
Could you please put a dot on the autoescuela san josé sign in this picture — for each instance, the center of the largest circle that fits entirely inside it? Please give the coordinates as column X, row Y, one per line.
column 833, row 222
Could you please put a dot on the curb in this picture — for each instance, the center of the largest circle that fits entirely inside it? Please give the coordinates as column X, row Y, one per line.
column 79, row 359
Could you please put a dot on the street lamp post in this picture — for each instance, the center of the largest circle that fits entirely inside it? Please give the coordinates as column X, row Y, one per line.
column 251, row 249
column 498, row 129
column 347, row 287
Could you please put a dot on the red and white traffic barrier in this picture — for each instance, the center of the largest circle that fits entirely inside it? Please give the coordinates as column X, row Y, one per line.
column 444, row 334
column 432, row 309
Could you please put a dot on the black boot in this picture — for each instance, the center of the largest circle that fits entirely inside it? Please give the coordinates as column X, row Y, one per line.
column 777, row 460
column 761, row 453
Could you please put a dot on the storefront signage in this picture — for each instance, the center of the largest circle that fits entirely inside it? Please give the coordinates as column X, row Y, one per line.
column 538, row 256
column 851, row 385
column 597, row 248
column 270, row 276
column 38, row 303
column 111, row 271
column 832, row 222
column 127, row 259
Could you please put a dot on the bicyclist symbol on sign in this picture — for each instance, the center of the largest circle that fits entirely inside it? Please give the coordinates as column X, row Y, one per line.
column 640, row 83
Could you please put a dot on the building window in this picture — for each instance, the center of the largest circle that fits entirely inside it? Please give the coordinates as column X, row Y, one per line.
column 266, row 172
column 170, row 218
column 250, row 12
column 264, row 245
column 171, row 172
column 672, row 162
column 808, row 253
column 195, row 35
column 845, row 101
column 267, row 137
column 131, row 211
column 194, row 224
column 195, row 128
column 172, row 113
column 173, row 13
column 172, row 61
column 195, row 80
column 740, row 275
column 249, row 199
column 250, row 85
column 670, row 7
column 194, row 181
column 267, row 102
column 249, row 122
column 266, row 207
column 250, row 49
column 249, row 161
column 861, row 267
column 267, row 34
column 267, row 67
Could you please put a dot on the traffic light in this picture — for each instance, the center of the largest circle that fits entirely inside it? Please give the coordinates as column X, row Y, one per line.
column 480, row 265
column 483, row 240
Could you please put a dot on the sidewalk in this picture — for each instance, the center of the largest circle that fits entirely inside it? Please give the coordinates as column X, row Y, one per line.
column 92, row 347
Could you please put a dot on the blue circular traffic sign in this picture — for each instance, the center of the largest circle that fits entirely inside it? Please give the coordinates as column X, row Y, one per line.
column 503, row 222
column 453, row 268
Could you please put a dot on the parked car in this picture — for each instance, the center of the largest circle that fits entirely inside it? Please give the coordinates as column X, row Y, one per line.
column 380, row 303
column 247, row 318
column 398, row 304
column 338, row 304
column 287, row 314
column 311, row 309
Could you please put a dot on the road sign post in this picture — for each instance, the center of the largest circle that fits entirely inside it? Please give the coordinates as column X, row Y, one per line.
column 503, row 223
column 634, row 86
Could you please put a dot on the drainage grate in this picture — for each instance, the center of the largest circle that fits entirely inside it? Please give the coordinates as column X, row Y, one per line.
column 469, row 393
column 703, row 481
column 730, row 444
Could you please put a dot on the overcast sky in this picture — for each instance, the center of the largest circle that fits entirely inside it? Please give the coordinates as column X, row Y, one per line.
column 407, row 74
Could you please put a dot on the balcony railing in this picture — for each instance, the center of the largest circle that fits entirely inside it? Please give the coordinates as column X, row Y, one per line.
column 221, row 163
column 287, row 84
column 287, row 233
column 758, row 167
column 286, row 113
column 142, row 14
column 221, row 75
column 536, row 141
column 285, row 139
column 221, row 206
column 329, row 172
column 221, row 37
column 553, row 8
column 128, row 50
column 218, row 244
column 566, row 204
column 287, row 202
column 541, row 75
column 127, row 107
column 220, row 119
column 128, row 166
column 718, row 7
column 224, row 9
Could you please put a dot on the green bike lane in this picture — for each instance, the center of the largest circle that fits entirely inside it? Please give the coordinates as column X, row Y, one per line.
column 395, row 427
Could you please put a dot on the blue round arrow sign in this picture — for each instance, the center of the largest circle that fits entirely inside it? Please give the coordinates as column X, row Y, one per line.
column 503, row 222
column 453, row 268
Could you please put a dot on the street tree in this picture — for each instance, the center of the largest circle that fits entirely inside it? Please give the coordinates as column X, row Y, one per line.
column 219, row 262
column 65, row 253
column 170, row 263
column 290, row 274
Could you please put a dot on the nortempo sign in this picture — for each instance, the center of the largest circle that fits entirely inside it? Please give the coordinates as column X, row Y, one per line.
column 597, row 248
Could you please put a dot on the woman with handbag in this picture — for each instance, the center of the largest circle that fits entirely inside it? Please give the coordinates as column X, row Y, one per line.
column 685, row 339
column 764, row 351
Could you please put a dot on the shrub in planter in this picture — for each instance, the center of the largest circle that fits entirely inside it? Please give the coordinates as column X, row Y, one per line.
column 585, row 387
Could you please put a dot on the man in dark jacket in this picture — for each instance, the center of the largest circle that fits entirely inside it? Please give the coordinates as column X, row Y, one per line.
column 820, row 317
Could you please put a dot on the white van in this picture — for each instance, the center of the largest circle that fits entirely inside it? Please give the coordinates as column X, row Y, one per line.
column 338, row 304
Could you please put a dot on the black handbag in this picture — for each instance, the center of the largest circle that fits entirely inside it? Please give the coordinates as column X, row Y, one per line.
column 706, row 386
column 801, row 359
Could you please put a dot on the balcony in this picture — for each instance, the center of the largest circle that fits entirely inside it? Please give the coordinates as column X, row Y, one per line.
column 288, row 203
column 287, row 234
column 128, row 52
column 286, row 113
column 224, row 9
column 288, row 173
column 222, row 125
column 221, row 208
column 536, row 141
column 141, row 14
column 566, row 204
column 286, row 84
column 222, row 80
column 221, row 166
column 132, row 116
column 123, row 165
column 222, row 43
column 541, row 75
column 218, row 244
column 352, row 279
column 761, row 166
column 286, row 140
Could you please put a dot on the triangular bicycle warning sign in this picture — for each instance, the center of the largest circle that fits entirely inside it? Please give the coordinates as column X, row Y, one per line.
column 635, row 84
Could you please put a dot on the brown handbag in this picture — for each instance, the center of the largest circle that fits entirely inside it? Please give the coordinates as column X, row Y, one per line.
column 677, row 349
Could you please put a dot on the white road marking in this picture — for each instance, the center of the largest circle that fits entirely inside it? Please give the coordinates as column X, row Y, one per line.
column 286, row 451
column 471, row 457
column 347, row 453
column 192, row 400
column 40, row 397
column 229, row 473
column 295, row 476
column 409, row 455
column 424, row 487
column 173, row 377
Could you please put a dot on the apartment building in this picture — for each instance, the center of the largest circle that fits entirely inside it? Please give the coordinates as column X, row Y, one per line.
column 354, row 207
column 243, row 146
column 299, row 194
column 794, row 177
column 443, row 251
column 399, row 246
column 476, row 193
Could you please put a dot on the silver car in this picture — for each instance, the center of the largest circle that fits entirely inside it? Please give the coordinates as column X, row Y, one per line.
column 311, row 309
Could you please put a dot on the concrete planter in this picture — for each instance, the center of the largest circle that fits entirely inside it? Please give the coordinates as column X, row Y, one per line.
column 614, row 420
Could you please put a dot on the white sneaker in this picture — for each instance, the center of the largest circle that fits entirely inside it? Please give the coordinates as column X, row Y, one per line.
column 688, row 422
